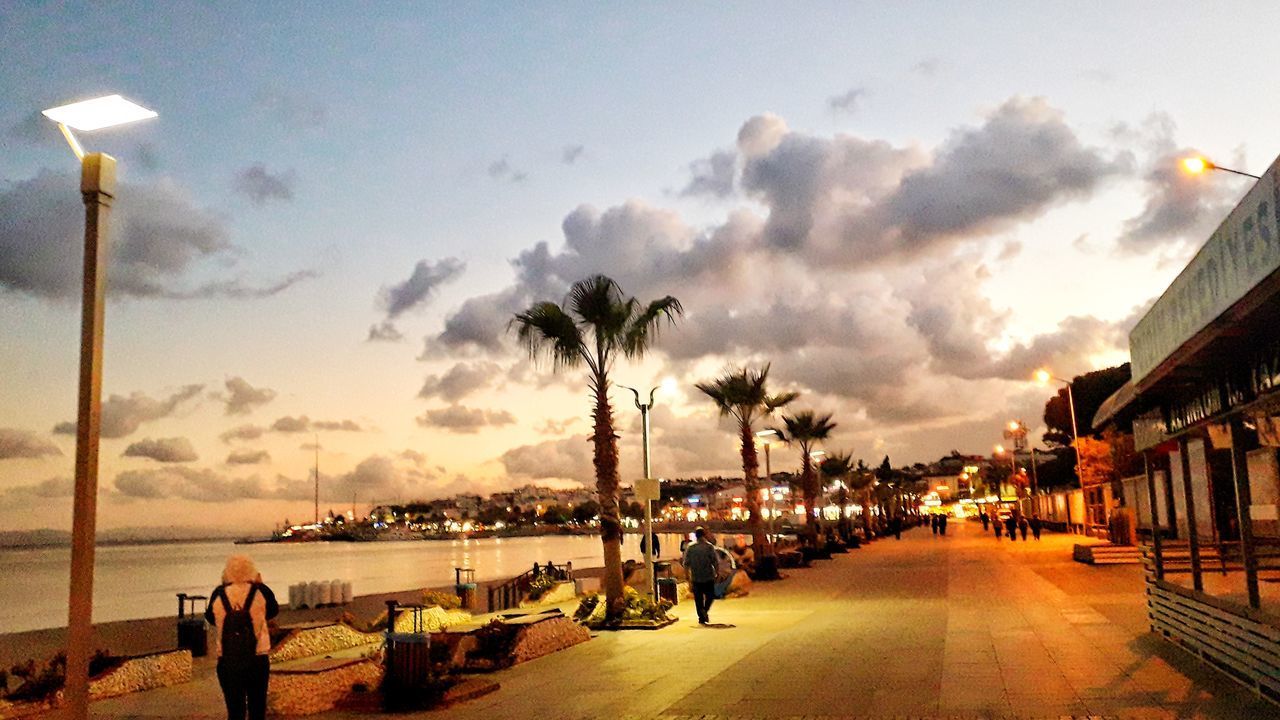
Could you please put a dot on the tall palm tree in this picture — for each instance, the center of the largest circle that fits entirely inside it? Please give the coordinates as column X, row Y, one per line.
column 595, row 324
column 807, row 429
column 836, row 467
column 862, row 482
column 743, row 395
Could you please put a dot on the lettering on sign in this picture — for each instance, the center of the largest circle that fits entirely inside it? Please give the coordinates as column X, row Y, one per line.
column 1242, row 252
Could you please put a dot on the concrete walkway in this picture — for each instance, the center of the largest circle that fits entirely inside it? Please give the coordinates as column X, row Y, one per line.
column 961, row 626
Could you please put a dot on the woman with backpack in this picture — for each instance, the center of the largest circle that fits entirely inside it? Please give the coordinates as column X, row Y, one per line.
column 239, row 609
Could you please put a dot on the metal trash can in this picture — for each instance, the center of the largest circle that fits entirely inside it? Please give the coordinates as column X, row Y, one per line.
column 465, row 587
column 191, row 627
column 669, row 590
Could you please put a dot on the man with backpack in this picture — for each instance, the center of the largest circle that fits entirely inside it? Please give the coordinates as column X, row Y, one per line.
column 239, row 609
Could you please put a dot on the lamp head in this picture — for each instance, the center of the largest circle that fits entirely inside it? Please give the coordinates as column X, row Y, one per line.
column 98, row 113
column 1013, row 425
column 1042, row 376
column 999, row 449
column 1196, row 165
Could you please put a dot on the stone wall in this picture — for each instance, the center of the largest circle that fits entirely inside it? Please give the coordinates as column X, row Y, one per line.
column 434, row 619
column 311, row 641
column 306, row 692
column 145, row 672
column 548, row 636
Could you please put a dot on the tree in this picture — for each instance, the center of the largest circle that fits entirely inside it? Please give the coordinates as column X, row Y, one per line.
column 595, row 324
column 584, row 513
column 836, row 468
column 743, row 395
column 1096, row 464
column 862, row 481
column 1089, row 391
column 807, row 429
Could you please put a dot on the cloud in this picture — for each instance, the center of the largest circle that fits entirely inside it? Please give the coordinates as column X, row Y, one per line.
column 928, row 67
column 849, row 101
column 25, row 444
column 460, row 381
column 198, row 484
column 165, row 450
column 302, row 423
column 248, row 457
column 241, row 397
column 551, row 426
column 292, row 108
column 501, row 169
column 35, row 493
column 420, row 287
column 571, row 154
column 462, row 419
column 712, row 176
column 384, row 331
column 261, row 185
column 160, row 238
column 121, row 416
column 243, row 432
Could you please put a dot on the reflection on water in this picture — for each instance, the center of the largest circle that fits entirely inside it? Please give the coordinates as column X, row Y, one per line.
column 139, row 581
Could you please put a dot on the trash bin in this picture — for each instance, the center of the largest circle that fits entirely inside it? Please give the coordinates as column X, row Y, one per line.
column 669, row 590
column 466, row 595
column 191, row 630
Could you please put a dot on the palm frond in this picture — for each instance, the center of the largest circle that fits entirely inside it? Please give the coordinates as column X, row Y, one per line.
column 641, row 327
column 547, row 329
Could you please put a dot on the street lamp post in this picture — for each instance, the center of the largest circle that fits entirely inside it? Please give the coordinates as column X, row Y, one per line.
column 98, row 189
column 768, row 474
column 1197, row 165
column 648, row 474
column 1043, row 377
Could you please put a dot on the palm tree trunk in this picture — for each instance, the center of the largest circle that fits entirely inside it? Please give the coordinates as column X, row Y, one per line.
column 808, row 482
column 751, row 485
column 866, row 514
column 606, row 465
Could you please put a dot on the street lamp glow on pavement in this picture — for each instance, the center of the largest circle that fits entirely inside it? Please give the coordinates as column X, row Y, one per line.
column 98, row 189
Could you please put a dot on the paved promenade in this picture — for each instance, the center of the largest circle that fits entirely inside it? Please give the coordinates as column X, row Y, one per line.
column 962, row 626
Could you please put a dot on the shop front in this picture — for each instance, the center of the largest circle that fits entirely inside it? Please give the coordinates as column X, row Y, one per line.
column 1206, row 417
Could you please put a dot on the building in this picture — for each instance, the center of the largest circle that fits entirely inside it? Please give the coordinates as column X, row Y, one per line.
column 1205, row 408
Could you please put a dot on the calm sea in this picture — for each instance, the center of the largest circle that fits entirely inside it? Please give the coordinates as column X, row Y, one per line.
column 141, row 581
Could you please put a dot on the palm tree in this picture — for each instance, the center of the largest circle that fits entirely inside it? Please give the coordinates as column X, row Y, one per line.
column 807, row 429
column 836, row 467
column 862, row 481
column 595, row 324
column 743, row 396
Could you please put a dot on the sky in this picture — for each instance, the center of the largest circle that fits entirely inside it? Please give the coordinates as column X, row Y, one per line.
column 905, row 208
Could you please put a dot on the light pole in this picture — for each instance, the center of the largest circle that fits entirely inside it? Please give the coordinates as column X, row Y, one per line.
column 1196, row 165
column 763, row 438
column 648, row 502
column 98, row 189
column 1043, row 377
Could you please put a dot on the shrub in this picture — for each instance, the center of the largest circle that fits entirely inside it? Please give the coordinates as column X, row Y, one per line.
column 442, row 600
column 541, row 585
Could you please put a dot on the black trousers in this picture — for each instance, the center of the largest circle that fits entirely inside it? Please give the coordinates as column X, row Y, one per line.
column 244, row 686
column 703, row 595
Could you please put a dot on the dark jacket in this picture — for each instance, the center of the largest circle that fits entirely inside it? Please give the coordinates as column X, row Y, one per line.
column 700, row 562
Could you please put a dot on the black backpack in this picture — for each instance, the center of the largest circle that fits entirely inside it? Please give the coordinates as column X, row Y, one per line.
column 239, row 641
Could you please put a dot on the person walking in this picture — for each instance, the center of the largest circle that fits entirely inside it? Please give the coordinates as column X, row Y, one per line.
column 1011, row 527
column 657, row 545
column 997, row 526
column 942, row 525
column 1035, row 526
column 933, row 524
column 239, row 609
column 701, row 563
column 986, row 521
column 1022, row 526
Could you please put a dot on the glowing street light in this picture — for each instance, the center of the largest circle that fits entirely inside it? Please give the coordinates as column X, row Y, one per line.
column 98, row 189
column 1195, row 165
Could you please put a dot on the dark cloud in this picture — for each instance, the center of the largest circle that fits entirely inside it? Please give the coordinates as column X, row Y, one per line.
column 928, row 67
column 384, row 331
column 1180, row 207
column 261, row 185
column 502, row 169
column 36, row 493
column 248, row 457
column 420, row 286
column 24, row 444
column 199, row 484
column 243, row 432
column 849, row 101
column 241, row 397
column 292, row 108
column 460, row 381
column 302, row 423
column 462, row 419
column 712, row 176
column 165, row 450
column 160, row 236
column 121, row 416
column 35, row 129
column 572, row 153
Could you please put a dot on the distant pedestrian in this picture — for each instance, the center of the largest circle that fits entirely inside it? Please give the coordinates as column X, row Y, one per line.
column 1011, row 527
column 239, row 609
column 701, row 563
column 1022, row 527
column 997, row 526
column 896, row 522
column 933, row 524
column 986, row 521
column 1035, row 526
column 942, row 525
column 657, row 545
